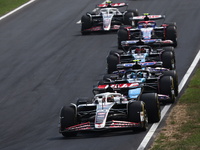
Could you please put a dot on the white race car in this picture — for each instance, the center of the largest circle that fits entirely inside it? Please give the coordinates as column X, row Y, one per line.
column 109, row 110
column 107, row 17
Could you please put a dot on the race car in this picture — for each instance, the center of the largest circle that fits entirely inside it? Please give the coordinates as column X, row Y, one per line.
column 109, row 110
column 157, row 57
column 148, row 29
column 149, row 80
column 107, row 18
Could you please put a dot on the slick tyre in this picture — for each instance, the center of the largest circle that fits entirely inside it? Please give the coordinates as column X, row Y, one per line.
column 129, row 14
column 122, row 36
column 174, row 75
column 68, row 119
column 168, row 60
column 167, row 88
column 152, row 106
column 171, row 34
column 86, row 24
column 134, row 111
column 112, row 62
column 114, row 52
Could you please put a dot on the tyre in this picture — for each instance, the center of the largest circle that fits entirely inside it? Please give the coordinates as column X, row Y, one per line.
column 130, row 13
column 174, row 75
column 169, row 48
column 168, row 60
column 134, row 110
column 167, row 87
column 112, row 62
column 86, row 24
column 122, row 36
column 85, row 100
column 171, row 34
column 68, row 119
column 152, row 106
column 110, row 76
column 113, row 52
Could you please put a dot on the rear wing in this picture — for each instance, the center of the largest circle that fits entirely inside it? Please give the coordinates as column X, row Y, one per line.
column 120, row 88
column 143, row 65
column 147, row 17
column 151, row 42
column 112, row 5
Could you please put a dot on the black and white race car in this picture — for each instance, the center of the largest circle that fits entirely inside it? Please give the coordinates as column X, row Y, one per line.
column 109, row 110
column 148, row 56
column 132, row 80
column 106, row 18
column 147, row 29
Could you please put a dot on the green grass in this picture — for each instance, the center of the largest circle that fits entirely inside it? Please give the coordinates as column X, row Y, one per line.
column 8, row 5
column 188, row 135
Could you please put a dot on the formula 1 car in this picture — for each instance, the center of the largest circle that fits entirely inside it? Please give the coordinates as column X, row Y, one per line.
column 109, row 110
column 157, row 80
column 160, row 57
column 147, row 29
column 108, row 17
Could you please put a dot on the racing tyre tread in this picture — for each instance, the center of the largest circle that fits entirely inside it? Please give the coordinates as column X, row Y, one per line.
column 152, row 106
column 68, row 119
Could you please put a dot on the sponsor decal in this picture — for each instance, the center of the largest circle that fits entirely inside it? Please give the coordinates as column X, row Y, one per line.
column 116, row 26
column 167, row 41
column 94, row 29
column 83, row 126
column 122, row 124
column 100, row 117
column 114, row 4
column 125, row 85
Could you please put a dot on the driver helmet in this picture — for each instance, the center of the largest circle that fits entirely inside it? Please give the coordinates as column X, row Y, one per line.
column 110, row 98
column 139, row 75
column 133, row 75
column 109, row 3
column 140, row 50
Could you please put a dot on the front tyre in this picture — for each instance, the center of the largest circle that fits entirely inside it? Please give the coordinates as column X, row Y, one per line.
column 134, row 113
column 167, row 88
column 174, row 75
column 67, row 119
column 168, row 60
column 152, row 106
column 86, row 24
column 112, row 61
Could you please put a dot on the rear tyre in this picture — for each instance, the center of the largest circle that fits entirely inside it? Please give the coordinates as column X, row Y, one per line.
column 167, row 87
column 152, row 106
column 68, row 119
column 168, row 60
column 86, row 24
column 129, row 14
column 174, row 75
column 134, row 111
column 171, row 34
column 112, row 62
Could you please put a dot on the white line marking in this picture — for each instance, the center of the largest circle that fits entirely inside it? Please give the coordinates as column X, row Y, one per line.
column 79, row 22
column 167, row 107
column 22, row 6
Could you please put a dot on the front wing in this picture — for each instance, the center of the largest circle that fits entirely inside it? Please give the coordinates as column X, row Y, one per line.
column 114, row 124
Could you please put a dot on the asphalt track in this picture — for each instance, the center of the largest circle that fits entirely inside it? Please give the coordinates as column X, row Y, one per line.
column 46, row 63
